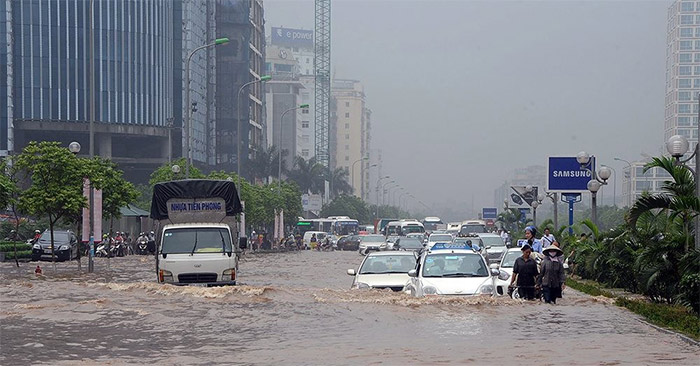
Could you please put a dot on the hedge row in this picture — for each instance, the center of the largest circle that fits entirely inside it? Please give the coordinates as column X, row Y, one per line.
column 9, row 247
column 22, row 254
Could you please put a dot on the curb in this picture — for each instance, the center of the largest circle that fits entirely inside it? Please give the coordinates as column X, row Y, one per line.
column 683, row 337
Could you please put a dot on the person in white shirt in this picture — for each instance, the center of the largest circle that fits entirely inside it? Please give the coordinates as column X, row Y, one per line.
column 547, row 239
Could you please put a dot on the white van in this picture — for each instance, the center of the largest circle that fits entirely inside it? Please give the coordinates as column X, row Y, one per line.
column 320, row 236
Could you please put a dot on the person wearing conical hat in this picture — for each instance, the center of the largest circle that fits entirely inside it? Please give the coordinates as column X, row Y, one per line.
column 552, row 276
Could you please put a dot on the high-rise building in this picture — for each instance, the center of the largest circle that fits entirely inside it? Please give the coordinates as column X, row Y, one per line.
column 237, row 63
column 349, row 143
column 45, row 73
column 283, row 93
column 683, row 70
column 636, row 181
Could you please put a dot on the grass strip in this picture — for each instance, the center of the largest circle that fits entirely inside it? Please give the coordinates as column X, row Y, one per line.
column 675, row 317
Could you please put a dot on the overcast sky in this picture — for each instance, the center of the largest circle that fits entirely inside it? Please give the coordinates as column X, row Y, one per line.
column 463, row 92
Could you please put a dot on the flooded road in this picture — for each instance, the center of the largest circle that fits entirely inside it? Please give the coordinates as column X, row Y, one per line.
column 296, row 308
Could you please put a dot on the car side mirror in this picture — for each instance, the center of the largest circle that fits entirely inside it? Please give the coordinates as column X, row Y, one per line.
column 413, row 273
column 243, row 242
column 495, row 272
column 488, row 247
column 351, row 272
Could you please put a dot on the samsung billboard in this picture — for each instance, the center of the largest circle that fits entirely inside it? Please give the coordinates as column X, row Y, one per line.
column 289, row 37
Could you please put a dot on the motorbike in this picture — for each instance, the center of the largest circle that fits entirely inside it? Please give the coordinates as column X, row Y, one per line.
column 142, row 246
column 102, row 250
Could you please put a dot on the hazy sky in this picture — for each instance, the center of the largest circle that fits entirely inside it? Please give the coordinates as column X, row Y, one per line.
column 462, row 92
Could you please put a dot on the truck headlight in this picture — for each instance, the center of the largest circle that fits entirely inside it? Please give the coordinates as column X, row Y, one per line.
column 503, row 275
column 429, row 290
column 486, row 290
column 165, row 276
column 362, row 286
column 229, row 274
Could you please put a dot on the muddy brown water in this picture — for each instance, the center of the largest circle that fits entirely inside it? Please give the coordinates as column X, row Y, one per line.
column 297, row 309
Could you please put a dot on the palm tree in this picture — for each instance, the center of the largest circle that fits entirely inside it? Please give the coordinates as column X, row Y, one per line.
column 339, row 182
column 677, row 198
column 308, row 174
column 265, row 164
column 512, row 219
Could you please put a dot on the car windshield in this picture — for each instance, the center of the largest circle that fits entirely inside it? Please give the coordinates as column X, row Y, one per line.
column 372, row 239
column 58, row 236
column 509, row 259
column 440, row 237
column 454, row 265
column 475, row 228
column 410, row 243
column 196, row 240
column 493, row 241
column 413, row 229
column 388, row 264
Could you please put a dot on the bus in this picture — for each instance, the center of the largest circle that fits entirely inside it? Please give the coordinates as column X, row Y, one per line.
column 403, row 227
column 337, row 225
column 472, row 226
column 433, row 223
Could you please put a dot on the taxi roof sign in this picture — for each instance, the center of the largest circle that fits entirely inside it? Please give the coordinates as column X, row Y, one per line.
column 450, row 246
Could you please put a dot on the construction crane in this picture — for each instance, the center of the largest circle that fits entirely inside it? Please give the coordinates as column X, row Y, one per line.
column 322, row 81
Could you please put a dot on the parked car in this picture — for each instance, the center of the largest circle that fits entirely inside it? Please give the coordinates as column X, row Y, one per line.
column 383, row 270
column 65, row 246
column 350, row 242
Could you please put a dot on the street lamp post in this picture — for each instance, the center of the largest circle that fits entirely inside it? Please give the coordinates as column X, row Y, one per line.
column 677, row 146
column 74, row 147
column 352, row 172
column 238, row 124
column 387, row 193
column 629, row 165
column 384, row 190
column 393, row 198
column 188, row 150
column 376, row 213
column 598, row 179
column 279, row 146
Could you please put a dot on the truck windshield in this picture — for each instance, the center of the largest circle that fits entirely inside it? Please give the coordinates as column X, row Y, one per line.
column 196, row 240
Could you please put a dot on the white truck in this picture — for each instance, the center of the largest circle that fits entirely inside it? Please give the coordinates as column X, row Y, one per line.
column 196, row 226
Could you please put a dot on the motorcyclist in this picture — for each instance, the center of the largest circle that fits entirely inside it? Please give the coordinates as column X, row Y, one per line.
column 530, row 236
column 37, row 236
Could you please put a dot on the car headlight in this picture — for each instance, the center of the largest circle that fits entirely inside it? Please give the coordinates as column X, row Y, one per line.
column 362, row 285
column 429, row 290
column 37, row 246
column 503, row 275
column 64, row 247
column 165, row 276
column 486, row 290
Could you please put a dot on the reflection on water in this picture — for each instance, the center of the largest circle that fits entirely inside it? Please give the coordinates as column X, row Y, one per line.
column 297, row 308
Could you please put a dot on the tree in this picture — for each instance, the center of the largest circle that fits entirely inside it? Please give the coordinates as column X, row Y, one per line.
column 116, row 191
column 678, row 197
column 265, row 164
column 339, row 182
column 350, row 206
column 9, row 195
column 308, row 174
column 56, row 183
column 165, row 172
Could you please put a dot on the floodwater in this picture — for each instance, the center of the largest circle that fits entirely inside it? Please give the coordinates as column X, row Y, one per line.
column 297, row 309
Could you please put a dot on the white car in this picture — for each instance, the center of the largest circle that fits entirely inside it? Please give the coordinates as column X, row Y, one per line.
column 494, row 245
column 449, row 269
column 372, row 242
column 506, row 270
column 384, row 270
column 439, row 238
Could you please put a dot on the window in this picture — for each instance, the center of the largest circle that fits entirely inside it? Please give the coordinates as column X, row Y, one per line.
column 684, row 70
column 347, row 114
column 683, row 121
column 307, row 60
column 697, row 57
column 696, row 70
column 687, row 6
column 347, row 126
column 684, row 96
column 347, row 104
column 697, row 32
column 686, row 45
column 304, row 124
column 686, row 32
column 305, row 139
column 642, row 185
column 347, row 137
column 696, row 83
column 305, row 111
column 686, row 57
column 697, row 19
column 347, row 147
column 684, row 108
column 347, row 158
column 283, row 67
column 686, row 19
column 305, row 152
column 684, row 83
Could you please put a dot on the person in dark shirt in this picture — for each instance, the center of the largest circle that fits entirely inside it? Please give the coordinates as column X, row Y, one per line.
column 525, row 273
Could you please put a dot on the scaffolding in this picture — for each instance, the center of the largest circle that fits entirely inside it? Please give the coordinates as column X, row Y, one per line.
column 322, row 80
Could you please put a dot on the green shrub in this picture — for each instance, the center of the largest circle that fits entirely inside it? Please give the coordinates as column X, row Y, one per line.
column 679, row 318
column 10, row 247
column 22, row 254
